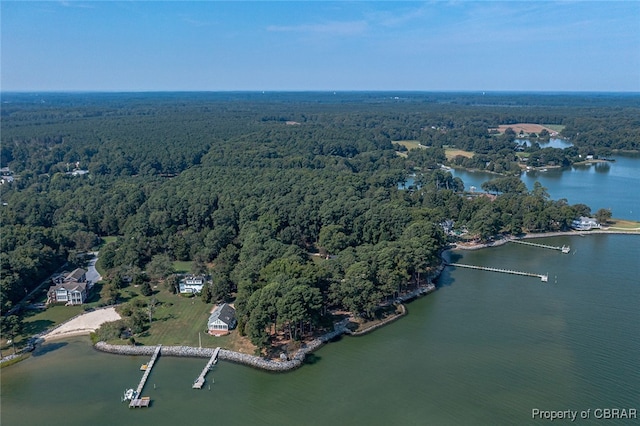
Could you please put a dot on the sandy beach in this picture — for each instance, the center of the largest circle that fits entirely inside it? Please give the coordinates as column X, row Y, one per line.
column 83, row 324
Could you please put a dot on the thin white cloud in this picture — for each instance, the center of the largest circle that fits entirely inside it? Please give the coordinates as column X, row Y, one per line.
column 195, row 22
column 80, row 5
column 337, row 28
column 395, row 19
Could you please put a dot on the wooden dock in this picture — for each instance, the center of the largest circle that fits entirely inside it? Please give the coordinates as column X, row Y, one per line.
column 543, row 278
column 563, row 249
column 138, row 401
column 199, row 382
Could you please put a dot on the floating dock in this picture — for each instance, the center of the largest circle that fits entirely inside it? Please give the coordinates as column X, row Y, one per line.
column 138, row 401
column 199, row 382
column 543, row 278
column 563, row 249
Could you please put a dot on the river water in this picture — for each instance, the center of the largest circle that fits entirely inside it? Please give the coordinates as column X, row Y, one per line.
column 611, row 185
column 485, row 348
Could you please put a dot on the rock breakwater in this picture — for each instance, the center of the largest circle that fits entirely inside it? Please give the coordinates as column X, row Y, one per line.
column 251, row 360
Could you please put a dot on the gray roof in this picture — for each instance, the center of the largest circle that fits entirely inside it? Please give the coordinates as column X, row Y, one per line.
column 76, row 275
column 224, row 313
column 70, row 287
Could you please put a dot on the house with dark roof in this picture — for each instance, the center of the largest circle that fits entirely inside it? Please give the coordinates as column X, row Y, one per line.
column 222, row 319
column 69, row 288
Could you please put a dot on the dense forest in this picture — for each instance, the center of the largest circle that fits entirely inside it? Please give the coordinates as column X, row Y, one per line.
column 289, row 201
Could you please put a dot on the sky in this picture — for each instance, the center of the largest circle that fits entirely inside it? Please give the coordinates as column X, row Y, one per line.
column 320, row 45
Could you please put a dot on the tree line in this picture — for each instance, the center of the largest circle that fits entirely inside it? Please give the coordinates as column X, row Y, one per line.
column 289, row 202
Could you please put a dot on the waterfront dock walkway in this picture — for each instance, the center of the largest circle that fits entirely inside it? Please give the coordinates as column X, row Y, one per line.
column 543, row 277
column 200, row 380
column 138, row 401
column 563, row 249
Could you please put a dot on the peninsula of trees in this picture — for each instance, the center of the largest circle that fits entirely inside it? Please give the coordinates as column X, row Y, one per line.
column 251, row 186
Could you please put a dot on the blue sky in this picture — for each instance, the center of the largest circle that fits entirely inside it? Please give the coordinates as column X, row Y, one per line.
column 320, row 45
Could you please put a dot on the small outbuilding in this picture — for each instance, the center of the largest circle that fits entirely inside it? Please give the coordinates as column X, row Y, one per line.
column 222, row 320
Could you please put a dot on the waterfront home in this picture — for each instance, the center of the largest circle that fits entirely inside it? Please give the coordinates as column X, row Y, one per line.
column 78, row 275
column 69, row 287
column 585, row 223
column 222, row 319
column 192, row 284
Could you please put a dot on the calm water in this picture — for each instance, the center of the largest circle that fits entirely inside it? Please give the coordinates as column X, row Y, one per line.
column 553, row 143
column 485, row 348
column 614, row 185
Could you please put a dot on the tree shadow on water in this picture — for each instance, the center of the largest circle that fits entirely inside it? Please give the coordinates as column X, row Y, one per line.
column 48, row 347
column 445, row 279
column 311, row 359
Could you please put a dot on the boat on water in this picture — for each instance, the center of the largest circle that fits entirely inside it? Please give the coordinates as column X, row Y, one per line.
column 129, row 395
column 566, row 249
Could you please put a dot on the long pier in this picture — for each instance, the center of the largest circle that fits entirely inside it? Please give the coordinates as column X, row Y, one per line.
column 200, row 380
column 138, row 401
column 543, row 278
column 563, row 249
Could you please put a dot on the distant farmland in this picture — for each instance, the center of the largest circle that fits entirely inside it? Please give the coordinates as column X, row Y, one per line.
column 530, row 127
column 452, row 153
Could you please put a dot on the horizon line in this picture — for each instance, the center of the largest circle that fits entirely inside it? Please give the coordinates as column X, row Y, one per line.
column 478, row 91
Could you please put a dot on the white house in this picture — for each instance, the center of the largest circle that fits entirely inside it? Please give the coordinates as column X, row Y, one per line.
column 192, row 284
column 585, row 223
column 222, row 319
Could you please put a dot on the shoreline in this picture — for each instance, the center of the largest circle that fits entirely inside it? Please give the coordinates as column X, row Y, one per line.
column 571, row 233
column 291, row 363
column 297, row 359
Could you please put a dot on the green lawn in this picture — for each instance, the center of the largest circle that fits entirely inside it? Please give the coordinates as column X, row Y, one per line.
column 409, row 144
column 452, row 153
column 108, row 239
column 555, row 127
column 37, row 321
column 182, row 267
column 623, row 224
column 177, row 321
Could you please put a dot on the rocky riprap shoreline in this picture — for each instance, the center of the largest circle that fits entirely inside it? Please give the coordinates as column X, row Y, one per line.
column 287, row 364
column 254, row 361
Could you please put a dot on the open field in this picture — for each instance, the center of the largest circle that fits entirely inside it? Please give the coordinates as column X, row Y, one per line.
column 555, row 127
column 530, row 127
column 623, row 225
column 451, row 153
column 410, row 144
column 182, row 267
column 37, row 321
column 109, row 239
column 177, row 320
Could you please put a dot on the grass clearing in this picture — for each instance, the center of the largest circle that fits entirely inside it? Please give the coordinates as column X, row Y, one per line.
column 182, row 267
column 555, row 127
column 410, row 144
column 452, row 153
column 177, row 320
column 622, row 224
column 37, row 321
column 109, row 239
